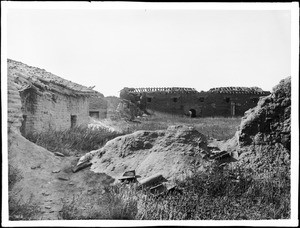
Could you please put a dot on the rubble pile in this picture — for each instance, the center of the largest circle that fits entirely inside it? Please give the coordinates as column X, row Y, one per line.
column 174, row 153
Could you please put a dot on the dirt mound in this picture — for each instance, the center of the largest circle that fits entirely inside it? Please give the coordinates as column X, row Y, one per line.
column 270, row 121
column 172, row 152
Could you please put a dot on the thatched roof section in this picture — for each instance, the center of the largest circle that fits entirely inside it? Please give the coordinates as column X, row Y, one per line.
column 40, row 80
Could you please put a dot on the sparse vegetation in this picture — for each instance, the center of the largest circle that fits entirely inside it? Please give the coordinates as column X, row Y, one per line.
column 112, row 202
column 221, row 128
column 226, row 193
column 18, row 208
column 222, row 195
column 74, row 140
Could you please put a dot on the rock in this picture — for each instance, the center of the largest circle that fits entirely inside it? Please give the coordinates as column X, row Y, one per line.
column 36, row 166
column 81, row 166
column 56, row 171
column 47, row 207
column 64, row 178
column 59, row 154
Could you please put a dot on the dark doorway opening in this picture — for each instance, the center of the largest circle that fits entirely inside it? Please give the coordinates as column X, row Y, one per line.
column 73, row 120
column 23, row 126
column 94, row 114
column 192, row 113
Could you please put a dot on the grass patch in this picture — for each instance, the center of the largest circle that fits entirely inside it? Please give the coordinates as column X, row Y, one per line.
column 18, row 208
column 222, row 195
column 111, row 202
column 218, row 194
column 74, row 140
column 221, row 128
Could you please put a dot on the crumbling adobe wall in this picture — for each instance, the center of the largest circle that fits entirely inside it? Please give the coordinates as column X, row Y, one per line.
column 52, row 111
column 227, row 101
column 270, row 121
column 14, row 112
column 39, row 100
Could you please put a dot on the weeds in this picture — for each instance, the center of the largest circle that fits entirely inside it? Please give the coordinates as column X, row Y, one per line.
column 112, row 202
column 22, row 210
column 218, row 194
column 222, row 195
column 19, row 209
column 77, row 139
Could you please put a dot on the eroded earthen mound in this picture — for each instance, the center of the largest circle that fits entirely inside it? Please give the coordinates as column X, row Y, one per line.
column 265, row 132
column 270, row 121
column 172, row 152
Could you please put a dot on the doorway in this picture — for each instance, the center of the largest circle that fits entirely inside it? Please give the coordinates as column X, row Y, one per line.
column 73, row 120
column 192, row 113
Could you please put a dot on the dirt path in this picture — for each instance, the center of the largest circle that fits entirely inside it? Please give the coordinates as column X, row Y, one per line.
column 48, row 179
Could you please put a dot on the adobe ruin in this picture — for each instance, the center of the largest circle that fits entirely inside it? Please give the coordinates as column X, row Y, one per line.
column 39, row 100
column 222, row 101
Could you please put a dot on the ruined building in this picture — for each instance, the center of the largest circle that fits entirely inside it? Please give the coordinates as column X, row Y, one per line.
column 46, row 100
column 222, row 101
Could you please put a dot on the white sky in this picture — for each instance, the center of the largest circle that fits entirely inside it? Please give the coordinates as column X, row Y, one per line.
column 112, row 49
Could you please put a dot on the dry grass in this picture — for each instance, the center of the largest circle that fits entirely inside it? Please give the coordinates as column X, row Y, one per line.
column 219, row 194
column 18, row 208
column 221, row 128
column 74, row 140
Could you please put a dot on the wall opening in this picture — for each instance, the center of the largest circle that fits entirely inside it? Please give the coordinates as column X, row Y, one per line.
column 23, row 126
column 149, row 99
column 227, row 99
column 175, row 99
column 232, row 109
column 73, row 120
column 94, row 114
column 201, row 99
column 255, row 99
column 192, row 113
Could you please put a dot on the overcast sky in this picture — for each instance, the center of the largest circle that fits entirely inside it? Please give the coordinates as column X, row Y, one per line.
column 112, row 49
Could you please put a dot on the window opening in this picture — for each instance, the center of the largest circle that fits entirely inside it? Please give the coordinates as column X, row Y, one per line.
column 73, row 120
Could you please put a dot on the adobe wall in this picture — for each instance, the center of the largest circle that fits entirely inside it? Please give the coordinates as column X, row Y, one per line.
column 45, row 111
column 14, row 112
column 201, row 103
column 98, row 107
